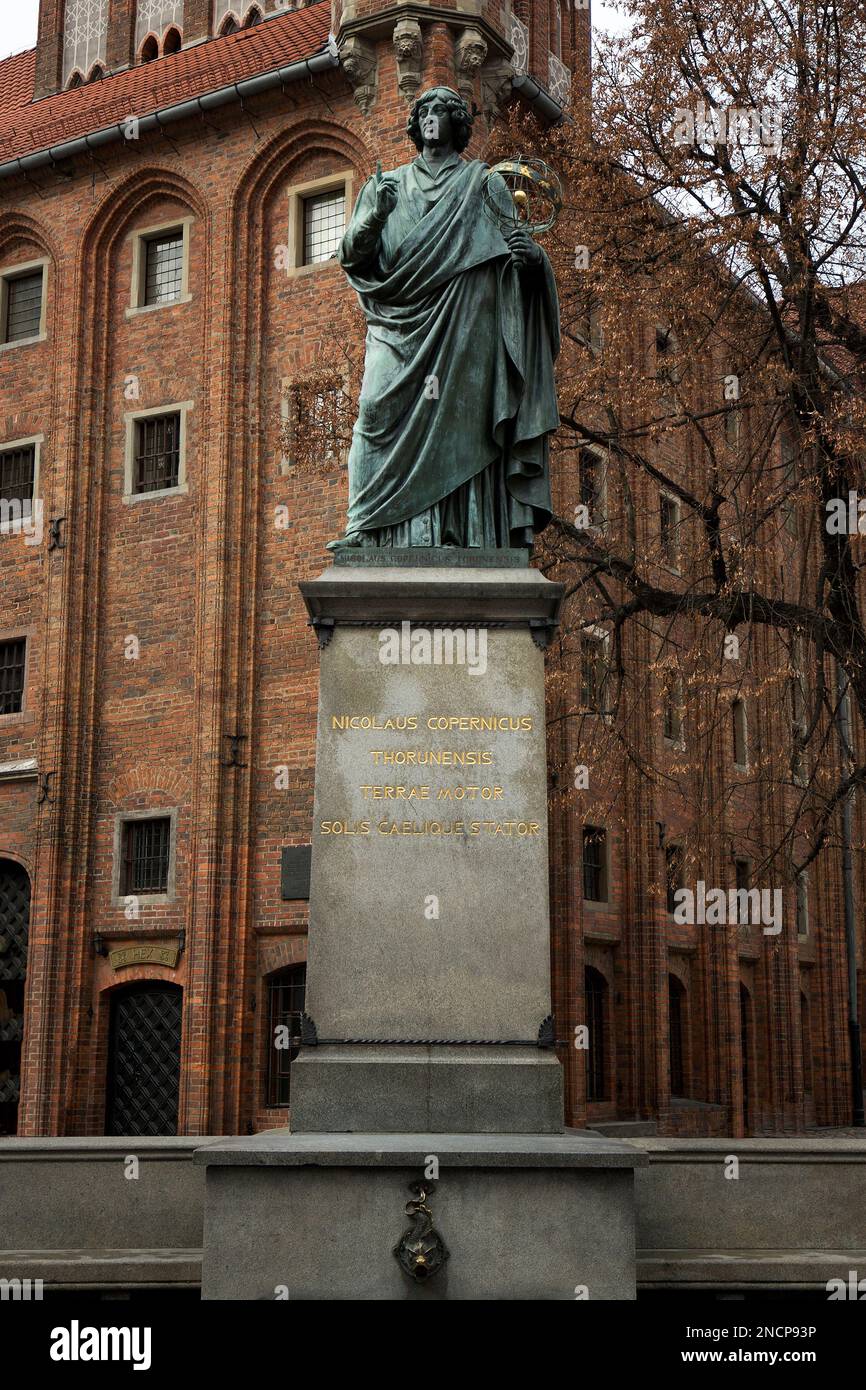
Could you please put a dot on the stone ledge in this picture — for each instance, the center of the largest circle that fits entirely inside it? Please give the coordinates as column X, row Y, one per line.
column 96, row 1268
column 372, row 594
column 796, row 1149
column 745, row 1268
column 100, row 1147
column 276, row 1148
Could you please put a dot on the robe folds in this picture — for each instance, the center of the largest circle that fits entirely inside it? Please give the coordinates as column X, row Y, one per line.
column 458, row 398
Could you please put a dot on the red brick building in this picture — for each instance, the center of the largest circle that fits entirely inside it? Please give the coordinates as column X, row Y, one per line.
column 176, row 175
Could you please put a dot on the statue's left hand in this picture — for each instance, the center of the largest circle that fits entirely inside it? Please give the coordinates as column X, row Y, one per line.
column 524, row 251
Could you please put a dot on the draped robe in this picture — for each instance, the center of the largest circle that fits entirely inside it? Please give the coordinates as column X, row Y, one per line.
column 458, row 398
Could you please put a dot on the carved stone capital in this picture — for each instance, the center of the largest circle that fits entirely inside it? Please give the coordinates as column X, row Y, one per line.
column 358, row 60
column 409, row 49
column 470, row 53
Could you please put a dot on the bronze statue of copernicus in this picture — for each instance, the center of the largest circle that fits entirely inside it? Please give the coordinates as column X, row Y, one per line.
column 451, row 443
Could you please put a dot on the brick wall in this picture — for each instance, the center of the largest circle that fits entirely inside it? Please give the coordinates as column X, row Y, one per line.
column 207, row 583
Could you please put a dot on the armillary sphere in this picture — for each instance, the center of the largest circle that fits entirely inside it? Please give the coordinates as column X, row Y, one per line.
column 522, row 193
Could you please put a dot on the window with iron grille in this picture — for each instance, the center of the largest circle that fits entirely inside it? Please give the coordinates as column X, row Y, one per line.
column 146, row 856
column 595, row 989
column 157, row 453
column 674, row 872
column 12, row 664
column 593, row 672
column 17, row 473
column 163, row 270
column 23, row 307
column 594, row 864
column 286, row 990
column 324, row 225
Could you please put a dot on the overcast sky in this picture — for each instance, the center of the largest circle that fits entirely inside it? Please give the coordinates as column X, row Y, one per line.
column 18, row 19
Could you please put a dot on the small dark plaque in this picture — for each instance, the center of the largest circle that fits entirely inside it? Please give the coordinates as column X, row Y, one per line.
column 295, row 872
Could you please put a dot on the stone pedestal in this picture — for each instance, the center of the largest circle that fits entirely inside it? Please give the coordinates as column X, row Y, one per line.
column 428, row 978
column 428, row 1044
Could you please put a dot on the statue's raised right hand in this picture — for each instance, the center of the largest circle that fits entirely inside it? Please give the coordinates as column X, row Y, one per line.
column 386, row 194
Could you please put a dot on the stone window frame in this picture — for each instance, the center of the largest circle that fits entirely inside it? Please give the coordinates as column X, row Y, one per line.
column 122, row 819
column 674, row 695
column 131, row 419
column 37, row 440
column 16, row 634
column 603, row 636
column 297, row 196
column 15, row 272
column 602, row 458
column 139, row 238
column 598, row 904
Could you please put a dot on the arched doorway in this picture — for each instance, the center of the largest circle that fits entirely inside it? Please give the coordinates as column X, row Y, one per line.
column 677, row 1036
column 595, row 986
column 144, row 1059
column 14, row 931
column 747, row 1033
column 806, row 1042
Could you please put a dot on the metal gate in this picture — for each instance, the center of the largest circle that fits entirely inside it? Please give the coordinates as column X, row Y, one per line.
column 144, row 1059
column 14, row 928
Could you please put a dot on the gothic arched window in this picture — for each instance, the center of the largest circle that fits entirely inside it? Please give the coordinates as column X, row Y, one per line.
column 556, row 30
column 84, row 36
column 157, row 17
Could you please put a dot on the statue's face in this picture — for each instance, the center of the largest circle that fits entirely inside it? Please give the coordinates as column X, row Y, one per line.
column 436, row 126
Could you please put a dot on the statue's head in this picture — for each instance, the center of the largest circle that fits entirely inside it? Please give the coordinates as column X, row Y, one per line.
column 459, row 115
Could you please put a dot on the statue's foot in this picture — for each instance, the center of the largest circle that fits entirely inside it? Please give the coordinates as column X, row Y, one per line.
column 346, row 543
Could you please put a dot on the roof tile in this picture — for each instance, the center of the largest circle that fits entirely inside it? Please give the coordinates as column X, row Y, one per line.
column 26, row 126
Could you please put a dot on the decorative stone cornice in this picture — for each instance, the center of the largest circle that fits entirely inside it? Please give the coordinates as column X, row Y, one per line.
column 409, row 50
column 381, row 25
column 470, row 53
column 359, row 62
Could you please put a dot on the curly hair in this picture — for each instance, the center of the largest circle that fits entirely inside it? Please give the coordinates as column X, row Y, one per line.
column 462, row 119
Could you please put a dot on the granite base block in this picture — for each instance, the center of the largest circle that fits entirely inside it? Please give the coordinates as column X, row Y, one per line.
column 459, row 1090
column 317, row 1216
